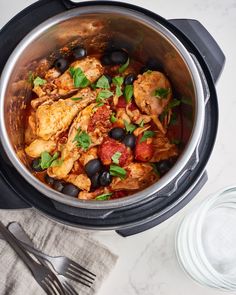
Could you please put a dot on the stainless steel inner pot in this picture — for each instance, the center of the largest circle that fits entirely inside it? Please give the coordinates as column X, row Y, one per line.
column 96, row 27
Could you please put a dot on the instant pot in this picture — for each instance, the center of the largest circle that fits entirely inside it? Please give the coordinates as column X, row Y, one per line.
column 182, row 48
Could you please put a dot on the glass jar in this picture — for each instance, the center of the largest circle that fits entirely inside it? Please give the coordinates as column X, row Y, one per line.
column 206, row 241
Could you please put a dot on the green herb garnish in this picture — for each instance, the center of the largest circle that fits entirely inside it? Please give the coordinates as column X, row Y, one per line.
column 76, row 98
column 123, row 67
column 148, row 72
column 102, row 95
column 173, row 119
column 118, row 81
column 162, row 92
column 155, row 168
column 115, row 158
column 141, row 124
column 113, row 118
column 147, row 134
column 47, row 160
column 103, row 83
column 129, row 127
column 173, row 103
column 128, row 93
column 39, row 81
column 117, row 171
column 83, row 139
column 187, row 100
column 80, row 80
column 175, row 141
column 30, row 77
column 103, row 197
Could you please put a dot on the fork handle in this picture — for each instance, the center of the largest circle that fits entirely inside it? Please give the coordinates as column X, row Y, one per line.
column 13, row 242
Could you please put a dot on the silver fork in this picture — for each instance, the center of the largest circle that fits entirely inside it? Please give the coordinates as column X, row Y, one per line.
column 61, row 264
column 44, row 276
column 16, row 229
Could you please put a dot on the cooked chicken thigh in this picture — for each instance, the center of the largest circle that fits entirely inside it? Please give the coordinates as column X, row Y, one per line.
column 38, row 146
column 144, row 92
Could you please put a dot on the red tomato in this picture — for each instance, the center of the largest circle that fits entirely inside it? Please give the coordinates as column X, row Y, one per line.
column 109, row 147
column 121, row 102
column 143, row 150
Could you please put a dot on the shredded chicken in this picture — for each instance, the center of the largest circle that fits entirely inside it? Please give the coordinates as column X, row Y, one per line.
column 38, row 146
column 81, row 181
column 139, row 176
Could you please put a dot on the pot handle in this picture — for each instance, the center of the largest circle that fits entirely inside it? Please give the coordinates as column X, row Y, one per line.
column 9, row 198
column 204, row 43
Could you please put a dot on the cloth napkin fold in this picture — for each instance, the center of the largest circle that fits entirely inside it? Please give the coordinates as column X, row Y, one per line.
column 54, row 239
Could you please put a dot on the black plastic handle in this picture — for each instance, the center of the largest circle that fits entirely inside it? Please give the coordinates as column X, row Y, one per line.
column 204, row 43
column 138, row 229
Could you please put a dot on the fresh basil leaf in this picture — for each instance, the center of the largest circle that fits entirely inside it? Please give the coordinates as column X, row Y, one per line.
column 113, row 118
column 118, row 80
column 123, row 67
column 129, row 127
column 100, row 104
column 103, row 197
column 76, row 98
column 46, row 159
column 173, row 119
column 117, row 171
column 161, row 93
column 83, row 139
column 103, row 82
column 155, row 168
column 93, row 86
column 147, row 134
column 141, row 124
column 80, row 80
column 128, row 93
column 39, row 81
column 56, row 163
column 103, row 94
column 187, row 100
column 115, row 158
column 173, row 103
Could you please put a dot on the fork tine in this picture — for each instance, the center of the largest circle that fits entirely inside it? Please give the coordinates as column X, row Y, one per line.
column 57, row 286
column 76, row 265
column 81, row 274
column 79, row 271
column 74, row 278
column 78, row 274
column 50, row 289
column 69, row 288
column 44, row 285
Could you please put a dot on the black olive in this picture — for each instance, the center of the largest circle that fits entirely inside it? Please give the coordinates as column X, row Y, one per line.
column 95, row 181
column 119, row 57
column 117, row 133
column 129, row 79
column 36, row 165
column 109, row 78
column 106, row 60
column 130, row 141
column 163, row 166
column 79, row 52
column 61, row 64
column 92, row 167
column 49, row 179
column 58, row 185
column 70, row 190
column 105, row 178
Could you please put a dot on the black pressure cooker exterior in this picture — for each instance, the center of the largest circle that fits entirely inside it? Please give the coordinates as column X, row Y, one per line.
column 16, row 193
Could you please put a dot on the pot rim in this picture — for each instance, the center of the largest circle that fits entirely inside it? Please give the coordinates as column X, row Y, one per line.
column 182, row 160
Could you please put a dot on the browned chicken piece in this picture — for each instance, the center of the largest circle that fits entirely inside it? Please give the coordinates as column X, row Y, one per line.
column 163, row 149
column 30, row 131
column 139, row 176
column 52, row 74
column 81, row 181
column 91, row 154
column 70, row 152
column 83, row 195
column 91, row 67
column 137, row 117
column 144, row 92
column 39, row 91
column 35, row 149
column 53, row 119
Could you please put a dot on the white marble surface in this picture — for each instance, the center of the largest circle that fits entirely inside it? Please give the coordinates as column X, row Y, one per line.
column 147, row 264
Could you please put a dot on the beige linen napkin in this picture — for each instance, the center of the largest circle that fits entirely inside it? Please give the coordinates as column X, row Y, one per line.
column 54, row 239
